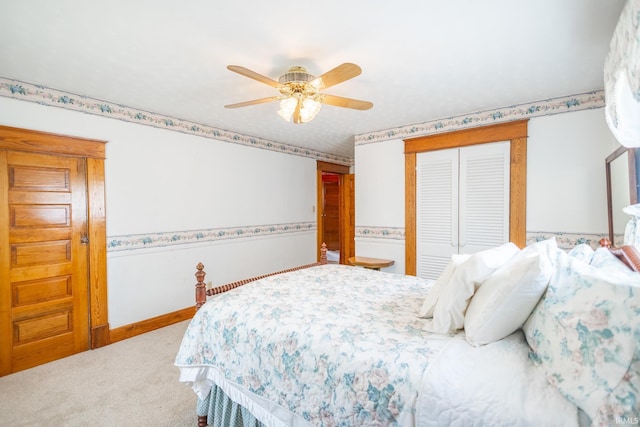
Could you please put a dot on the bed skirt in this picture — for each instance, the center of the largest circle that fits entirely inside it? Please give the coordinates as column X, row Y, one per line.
column 224, row 412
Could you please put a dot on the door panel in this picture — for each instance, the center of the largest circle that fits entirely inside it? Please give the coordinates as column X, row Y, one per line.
column 437, row 211
column 46, row 263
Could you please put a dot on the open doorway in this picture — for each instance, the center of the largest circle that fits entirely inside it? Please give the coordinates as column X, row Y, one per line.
column 336, row 213
column 331, row 215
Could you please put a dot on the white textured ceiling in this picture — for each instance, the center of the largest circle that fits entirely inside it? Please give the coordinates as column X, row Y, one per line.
column 421, row 60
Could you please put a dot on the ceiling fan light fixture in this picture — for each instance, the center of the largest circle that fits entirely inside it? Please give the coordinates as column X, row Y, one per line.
column 287, row 107
column 309, row 108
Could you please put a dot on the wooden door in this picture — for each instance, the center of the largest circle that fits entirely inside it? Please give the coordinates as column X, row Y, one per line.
column 44, row 308
column 348, row 218
column 331, row 211
column 334, row 206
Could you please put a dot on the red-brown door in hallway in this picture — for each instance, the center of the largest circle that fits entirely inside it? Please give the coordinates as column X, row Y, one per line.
column 331, row 211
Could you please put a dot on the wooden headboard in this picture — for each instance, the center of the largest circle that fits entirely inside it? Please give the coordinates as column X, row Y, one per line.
column 629, row 255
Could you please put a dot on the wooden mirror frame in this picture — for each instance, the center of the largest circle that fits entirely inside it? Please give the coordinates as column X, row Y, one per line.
column 633, row 154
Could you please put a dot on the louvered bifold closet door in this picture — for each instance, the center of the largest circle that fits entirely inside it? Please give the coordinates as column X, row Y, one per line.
column 437, row 216
column 484, row 196
column 462, row 202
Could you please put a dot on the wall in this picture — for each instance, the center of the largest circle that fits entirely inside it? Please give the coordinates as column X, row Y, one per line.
column 566, row 192
column 175, row 199
column 379, row 171
column 566, row 183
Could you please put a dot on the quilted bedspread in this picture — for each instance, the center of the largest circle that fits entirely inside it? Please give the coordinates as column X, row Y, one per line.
column 332, row 344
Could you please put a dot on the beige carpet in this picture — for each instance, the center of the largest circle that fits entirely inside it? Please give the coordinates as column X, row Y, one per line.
column 129, row 383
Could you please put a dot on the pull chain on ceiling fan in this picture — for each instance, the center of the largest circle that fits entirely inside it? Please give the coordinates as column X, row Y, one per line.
column 300, row 97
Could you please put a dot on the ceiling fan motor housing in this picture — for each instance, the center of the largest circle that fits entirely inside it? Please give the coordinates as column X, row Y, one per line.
column 296, row 75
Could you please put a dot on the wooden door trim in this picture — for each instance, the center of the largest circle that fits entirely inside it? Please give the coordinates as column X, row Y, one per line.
column 97, row 231
column 50, row 143
column 332, row 167
column 347, row 227
column 5, row 261
column 94, row 153
column 320, row 168
column 462, row 138
column 515, row 132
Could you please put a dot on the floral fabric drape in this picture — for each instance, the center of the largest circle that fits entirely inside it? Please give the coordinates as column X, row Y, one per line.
column 622, row 77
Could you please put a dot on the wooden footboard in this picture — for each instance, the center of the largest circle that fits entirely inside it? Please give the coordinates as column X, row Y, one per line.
column 201, row 288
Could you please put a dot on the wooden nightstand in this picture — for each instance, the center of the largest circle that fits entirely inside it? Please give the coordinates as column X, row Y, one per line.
column 371, row 263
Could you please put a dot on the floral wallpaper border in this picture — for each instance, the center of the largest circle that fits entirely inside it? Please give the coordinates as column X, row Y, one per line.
column 43, row 95
column 47, row 96
column 391, row 233
column 173, row 238
column 589, row 100
column 565, row 240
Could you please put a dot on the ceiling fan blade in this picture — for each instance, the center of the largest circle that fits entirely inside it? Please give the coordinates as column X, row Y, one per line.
column 339, row 101
column 254, row 102
column 339, row 74
column 253, row 75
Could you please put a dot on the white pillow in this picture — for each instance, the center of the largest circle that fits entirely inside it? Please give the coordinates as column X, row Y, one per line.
column 506, row 299
column 448, row 314
column 429, row 303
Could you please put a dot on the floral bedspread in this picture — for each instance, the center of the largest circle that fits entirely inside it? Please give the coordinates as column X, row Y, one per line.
column 335, row 345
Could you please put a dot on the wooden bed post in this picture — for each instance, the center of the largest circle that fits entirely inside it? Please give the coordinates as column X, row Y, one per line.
column 201, row 288
column 323, row 253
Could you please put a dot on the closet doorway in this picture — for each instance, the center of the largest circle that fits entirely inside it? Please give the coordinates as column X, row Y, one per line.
column 336, row 212
column 513, row 132
column 52, row 246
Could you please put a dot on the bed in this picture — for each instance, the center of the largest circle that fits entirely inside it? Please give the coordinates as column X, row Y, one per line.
column 509, row 336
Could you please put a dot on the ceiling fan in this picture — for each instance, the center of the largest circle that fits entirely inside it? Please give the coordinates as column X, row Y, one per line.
column 300, row 92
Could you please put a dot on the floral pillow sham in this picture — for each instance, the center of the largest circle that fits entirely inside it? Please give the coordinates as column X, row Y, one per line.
column 585, row 332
